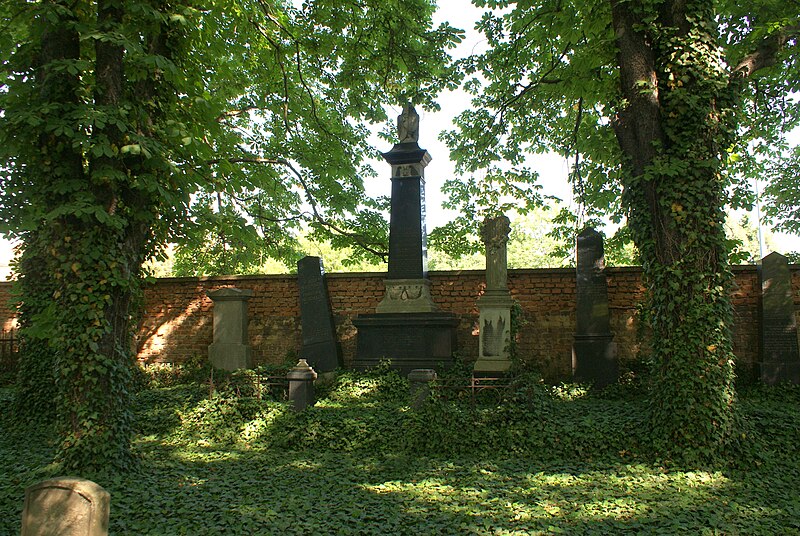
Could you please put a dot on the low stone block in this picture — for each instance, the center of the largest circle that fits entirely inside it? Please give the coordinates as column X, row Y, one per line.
column 66, row 506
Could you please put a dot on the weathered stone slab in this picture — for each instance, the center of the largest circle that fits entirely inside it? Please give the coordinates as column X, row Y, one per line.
column 230, row 349
column 320, row 348
column 593, row 353
column 66, row 506
column 780, row 356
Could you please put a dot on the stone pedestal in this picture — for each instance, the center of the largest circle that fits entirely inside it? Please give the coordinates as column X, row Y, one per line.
column 230, row 350
column 419, row 382
column 410, row 340
column 594, row 359
column 494, row 355
column 301, row 386
column 780, row 356
column 495, row 334
column 593, row 352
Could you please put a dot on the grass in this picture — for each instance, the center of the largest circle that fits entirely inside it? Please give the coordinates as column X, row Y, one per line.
column 362, row 462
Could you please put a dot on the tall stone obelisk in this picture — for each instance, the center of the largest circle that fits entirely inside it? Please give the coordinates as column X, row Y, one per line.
column 594, row 354
column 407, row 284
column 407, row 327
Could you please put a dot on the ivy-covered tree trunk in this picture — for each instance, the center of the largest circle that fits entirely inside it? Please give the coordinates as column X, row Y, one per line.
column 95, row 186
column 673, row 128
column 54, row 160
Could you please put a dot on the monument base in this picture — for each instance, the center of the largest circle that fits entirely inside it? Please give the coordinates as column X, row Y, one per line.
column 488, row 367
column 594, row 359
column 407, row 296
column 778, row 372
column 230, row 356
column 410, row 340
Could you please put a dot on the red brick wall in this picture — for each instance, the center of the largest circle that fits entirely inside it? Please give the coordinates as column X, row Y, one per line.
column 177, row 319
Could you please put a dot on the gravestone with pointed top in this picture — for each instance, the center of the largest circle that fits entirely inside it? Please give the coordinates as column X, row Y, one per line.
column 230, row 349
column 780, row 358
column 320, row 348
column 495, row 303
column 594, row 352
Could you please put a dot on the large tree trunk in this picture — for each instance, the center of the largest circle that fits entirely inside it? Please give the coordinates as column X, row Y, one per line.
column 671, row 131
column 81, row 266
column 56, row 161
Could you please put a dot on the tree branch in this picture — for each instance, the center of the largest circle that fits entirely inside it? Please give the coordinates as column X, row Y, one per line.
column 316, row 215
column 767, row 52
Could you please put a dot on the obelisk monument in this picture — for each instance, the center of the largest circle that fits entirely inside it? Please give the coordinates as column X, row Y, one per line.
column 407, row 327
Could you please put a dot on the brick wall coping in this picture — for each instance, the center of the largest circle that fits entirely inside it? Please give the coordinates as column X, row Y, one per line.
column 343, row 275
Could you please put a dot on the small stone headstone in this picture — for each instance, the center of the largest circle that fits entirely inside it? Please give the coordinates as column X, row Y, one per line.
column 594, row 353
column 780, row 357
column 230, row 349
column 319, row 333
column 66, row 507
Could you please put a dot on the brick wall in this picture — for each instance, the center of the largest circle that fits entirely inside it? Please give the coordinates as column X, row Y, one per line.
column 177, row 319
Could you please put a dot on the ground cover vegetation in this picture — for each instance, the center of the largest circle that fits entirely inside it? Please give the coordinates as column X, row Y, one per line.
column 126, row 123
column 546, row 460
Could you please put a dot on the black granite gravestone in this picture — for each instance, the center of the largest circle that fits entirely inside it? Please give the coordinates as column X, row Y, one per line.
column 780, row 357
column 407, row 328
column 594, row 354
column 319, row 333
column 409, row 340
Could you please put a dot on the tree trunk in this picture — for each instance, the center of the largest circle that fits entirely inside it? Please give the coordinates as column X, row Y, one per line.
column 671, row 131
column 56, row 161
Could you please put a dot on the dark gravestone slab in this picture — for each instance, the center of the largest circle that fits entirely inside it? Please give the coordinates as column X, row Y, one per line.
column 319, row 333
column 780, row 357
column 410, row 340
column 594, row 353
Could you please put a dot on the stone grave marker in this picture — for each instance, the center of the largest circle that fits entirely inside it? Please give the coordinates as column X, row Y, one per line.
column 230, row 349
column 780, row 357
column 594, row 352
column 407, row 327
column 495, row 303
column 320, row 348
column 66, row 506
